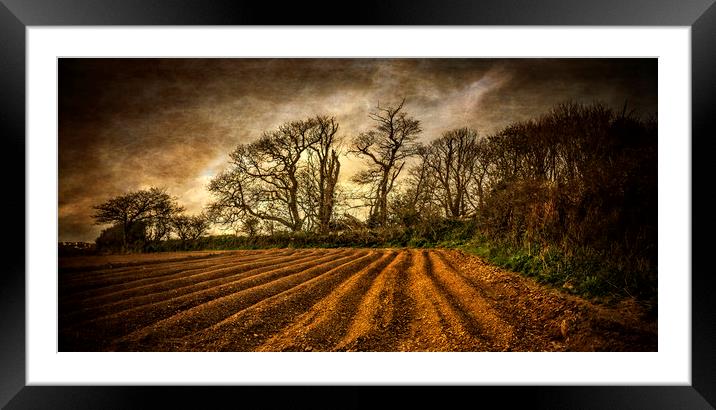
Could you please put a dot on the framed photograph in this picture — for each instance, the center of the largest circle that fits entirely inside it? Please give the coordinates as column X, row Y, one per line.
column 104, row 103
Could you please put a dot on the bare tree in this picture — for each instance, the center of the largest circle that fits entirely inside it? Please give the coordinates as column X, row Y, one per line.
column 418, row 191
column 152, row 207
column 288, row 177
column 156, row 229
column 190, row 228
column 480, row 175
column 263, row 181
column 451, row 159
column 250, row 225
column 385, row 148
column 324, row 168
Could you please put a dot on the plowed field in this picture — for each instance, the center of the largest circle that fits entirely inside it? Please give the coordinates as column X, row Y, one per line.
column 329, row 300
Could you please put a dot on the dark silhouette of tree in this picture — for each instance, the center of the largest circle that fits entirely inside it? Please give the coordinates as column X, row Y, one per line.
column 416, row 200
column 287, row 177
column 480, row 175
column 251, row 226
column 189, row 228
column 113, row 239
column 150, row 208
column 451, row 159
column 158, row 227
column 385, row 148
column 324, row 168
column 263, row 180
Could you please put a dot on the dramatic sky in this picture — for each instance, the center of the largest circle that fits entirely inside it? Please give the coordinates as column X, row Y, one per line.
column 128, row 124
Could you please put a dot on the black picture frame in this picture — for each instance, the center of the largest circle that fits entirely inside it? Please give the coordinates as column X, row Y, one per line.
column 16, row 15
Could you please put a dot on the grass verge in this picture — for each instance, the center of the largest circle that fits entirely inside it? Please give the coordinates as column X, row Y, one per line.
column 582, row 272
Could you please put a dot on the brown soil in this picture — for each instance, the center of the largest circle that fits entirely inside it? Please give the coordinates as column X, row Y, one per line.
column 330, row 300
column 110, row 261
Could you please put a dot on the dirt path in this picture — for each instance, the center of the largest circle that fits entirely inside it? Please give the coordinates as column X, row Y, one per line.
column 331, row 300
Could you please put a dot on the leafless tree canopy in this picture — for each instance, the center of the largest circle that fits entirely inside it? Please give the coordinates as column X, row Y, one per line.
column 152, row 208
column 452, row 161
column 287, row 177
column 189, row 228
column 322, row 173
column 385, row 149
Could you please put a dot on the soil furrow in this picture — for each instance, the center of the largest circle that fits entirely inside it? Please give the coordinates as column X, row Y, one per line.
column 248, row 329
column 384, row 312
column 544, row 319
column 526, row 334
column 80, row 265
column 209, row 314
column 342, row 299
column 437, row 326
column 328, row 320
column 103, row 330
column 108, row 304
column 480, row 319
column 112, row 271
column 149, row 273
column 154, row 285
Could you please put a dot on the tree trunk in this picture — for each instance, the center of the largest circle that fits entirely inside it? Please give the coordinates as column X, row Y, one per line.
column 125, row 227
column 383, row 202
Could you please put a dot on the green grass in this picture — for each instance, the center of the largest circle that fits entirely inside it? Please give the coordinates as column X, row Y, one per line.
column 583, row 272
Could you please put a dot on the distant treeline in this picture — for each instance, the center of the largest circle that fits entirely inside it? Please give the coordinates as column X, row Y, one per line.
column 76, row 248
column 569, row 197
